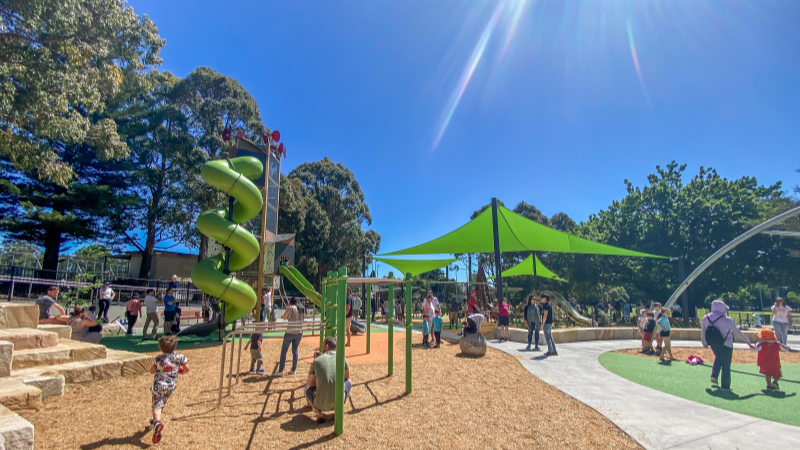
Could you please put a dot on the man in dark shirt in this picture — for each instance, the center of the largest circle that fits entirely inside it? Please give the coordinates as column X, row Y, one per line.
column 547, row 321
column 454, row 305
column 349, row 316
column 45, row 302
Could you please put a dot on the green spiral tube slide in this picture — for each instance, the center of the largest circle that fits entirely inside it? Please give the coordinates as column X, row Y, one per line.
column 231, row 176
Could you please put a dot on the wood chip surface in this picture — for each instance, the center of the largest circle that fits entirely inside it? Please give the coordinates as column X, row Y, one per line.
column 457, row 403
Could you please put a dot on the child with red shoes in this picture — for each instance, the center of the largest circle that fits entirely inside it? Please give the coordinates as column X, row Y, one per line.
column 166, row 368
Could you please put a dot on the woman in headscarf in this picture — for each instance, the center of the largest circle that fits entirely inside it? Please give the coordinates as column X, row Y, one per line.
column 717, row 332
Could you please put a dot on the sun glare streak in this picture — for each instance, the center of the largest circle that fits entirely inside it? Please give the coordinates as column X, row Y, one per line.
column 635, row 58
column 518, row 9
column 469, row 70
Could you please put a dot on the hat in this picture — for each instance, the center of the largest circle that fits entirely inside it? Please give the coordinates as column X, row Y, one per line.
column 766, row 334
column 106, row 283
column 473, row 291
column 135, row 295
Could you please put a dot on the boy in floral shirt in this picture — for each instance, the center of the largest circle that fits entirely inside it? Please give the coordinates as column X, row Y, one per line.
column 166, row 368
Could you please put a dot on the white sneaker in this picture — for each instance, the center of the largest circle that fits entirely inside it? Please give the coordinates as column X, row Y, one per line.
column 277, row 374
column 292, row 372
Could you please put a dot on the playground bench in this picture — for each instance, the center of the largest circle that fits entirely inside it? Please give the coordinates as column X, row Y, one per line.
column 189, row 314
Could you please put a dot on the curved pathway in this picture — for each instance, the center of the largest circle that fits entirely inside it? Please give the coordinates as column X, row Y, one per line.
column 680, row 423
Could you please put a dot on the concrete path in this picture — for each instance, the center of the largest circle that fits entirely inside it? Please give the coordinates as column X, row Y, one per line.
column 680, row 423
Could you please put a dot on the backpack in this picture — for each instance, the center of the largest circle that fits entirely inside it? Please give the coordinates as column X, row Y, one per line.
column 713, row 335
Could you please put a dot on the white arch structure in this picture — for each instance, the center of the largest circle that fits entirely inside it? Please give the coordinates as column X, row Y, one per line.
column 726, row 248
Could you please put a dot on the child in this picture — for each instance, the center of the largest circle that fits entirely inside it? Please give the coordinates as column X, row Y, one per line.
column 657, row 315
column 641, row 323
column 437, row 328
column 256, row 357
column 769, row 357
column 166, row 367
column 663, row 328
column 425, row 331
column 647, row 334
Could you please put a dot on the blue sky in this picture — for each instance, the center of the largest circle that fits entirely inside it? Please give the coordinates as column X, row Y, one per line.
column 437, row 106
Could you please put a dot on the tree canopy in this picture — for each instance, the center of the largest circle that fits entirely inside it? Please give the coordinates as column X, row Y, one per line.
column 60, row 60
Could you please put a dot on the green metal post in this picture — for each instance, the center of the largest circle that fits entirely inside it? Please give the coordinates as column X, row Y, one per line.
column 332, row 316
column 390, row 321
column 368, row 299
column 322, row 311
column 341, row 310
column 409, row 309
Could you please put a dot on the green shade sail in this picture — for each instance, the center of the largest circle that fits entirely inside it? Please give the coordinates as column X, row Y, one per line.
column 416, row 266
column 526, row 268
column 517, row 234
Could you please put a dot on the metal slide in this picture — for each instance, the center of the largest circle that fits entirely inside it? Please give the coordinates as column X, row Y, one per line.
column 571, row 312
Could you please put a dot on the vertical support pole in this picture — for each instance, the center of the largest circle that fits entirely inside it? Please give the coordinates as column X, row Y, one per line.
column 498, row 278
column 684, row 297
column 469, row 272
column 368, row 319
column 263, row 242
column 341, row 310
column 364, row 275
column 390, row 321
column 408, row 332
column 535, row 280
column 323, row 318
column 333, row 317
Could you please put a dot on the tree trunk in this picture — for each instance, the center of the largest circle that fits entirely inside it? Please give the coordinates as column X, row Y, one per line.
column 203, row 248
column 147, row 254
column 52, row 251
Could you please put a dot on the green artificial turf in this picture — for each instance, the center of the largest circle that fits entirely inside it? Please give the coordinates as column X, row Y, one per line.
column 748, row 395
column 135, row 344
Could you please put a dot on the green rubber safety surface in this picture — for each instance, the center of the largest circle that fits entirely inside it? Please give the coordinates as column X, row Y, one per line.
column 135, row 344
column 748, row 395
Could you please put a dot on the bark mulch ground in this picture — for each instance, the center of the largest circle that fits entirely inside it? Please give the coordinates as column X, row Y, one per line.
column 457, row 403
column 740, row 356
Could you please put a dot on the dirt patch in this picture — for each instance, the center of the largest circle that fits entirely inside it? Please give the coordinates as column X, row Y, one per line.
column 457, row 403
column 740, row 356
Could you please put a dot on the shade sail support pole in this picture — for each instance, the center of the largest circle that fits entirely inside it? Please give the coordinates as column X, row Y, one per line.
column 498, row 266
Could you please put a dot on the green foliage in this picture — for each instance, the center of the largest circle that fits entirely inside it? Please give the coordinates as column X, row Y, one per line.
column 92, row 252
column 323, row 204
column 60, row 60
column 163, row 157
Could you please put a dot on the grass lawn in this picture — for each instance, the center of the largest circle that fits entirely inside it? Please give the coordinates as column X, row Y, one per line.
column 135, row 344
column 692, row 383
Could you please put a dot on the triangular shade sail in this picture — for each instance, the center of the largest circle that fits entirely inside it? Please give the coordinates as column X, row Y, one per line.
column 526, row 268
column 517, row 234
column 416, row 266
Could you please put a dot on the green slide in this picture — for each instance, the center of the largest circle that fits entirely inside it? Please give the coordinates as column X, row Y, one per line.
column 300, row 282
column 231, row 176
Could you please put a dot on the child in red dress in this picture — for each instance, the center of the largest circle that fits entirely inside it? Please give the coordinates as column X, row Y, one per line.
column 769, row 357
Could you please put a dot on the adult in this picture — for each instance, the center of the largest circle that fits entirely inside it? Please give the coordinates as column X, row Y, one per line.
column 533, row 321
column 474, row 322
column 429, row 307
column 292, row 336
column 266, row 298
column 170, row 305
column 472, row 303
column 81, row 322
column 151, row 310
column 357, row 304
column 348, row 316
column 373, row 306
column 455, row 305
column 781, row 319
column 677, row 313
column 717, row 332
column 174, row 284
column 321, row 385
column 133, row 309
column 626, row 312
column 47, row 301
column 106, row 295
column 547, row 320
column 503, row 318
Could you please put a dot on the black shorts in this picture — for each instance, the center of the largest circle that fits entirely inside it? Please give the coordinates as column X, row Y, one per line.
column 169, row 316
column 503, row 321
column 664, row 333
